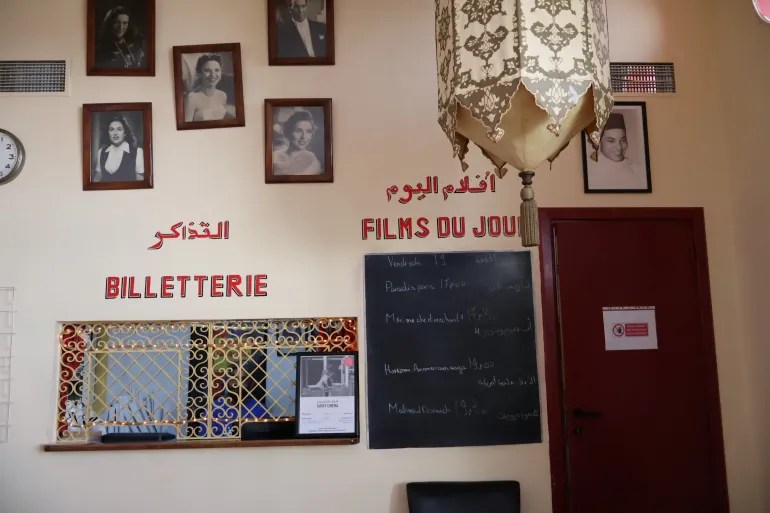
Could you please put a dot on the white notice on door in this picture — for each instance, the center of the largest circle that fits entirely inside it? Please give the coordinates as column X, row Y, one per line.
column 629, row 328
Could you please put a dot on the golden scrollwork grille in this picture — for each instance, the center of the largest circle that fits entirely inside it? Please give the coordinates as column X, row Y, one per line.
column 198, row 380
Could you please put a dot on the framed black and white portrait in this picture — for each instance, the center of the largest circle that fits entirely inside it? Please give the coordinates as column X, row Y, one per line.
column 622, row 161
column 327, row 394
column 121, row 37
column 208, row 86
column 300, row 32
column 298, row 140
column 117, row 146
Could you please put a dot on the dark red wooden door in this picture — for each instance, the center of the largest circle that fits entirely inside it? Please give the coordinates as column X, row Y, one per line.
column 637, row 424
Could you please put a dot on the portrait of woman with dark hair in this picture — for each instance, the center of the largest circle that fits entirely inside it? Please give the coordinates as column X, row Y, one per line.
column 207, row 80
column 119, row 159
column 205, row 101
column 117, row 153
column 120, row 37
column 119, row 44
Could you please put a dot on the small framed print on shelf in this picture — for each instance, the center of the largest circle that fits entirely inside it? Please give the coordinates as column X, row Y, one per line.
column 327, row 395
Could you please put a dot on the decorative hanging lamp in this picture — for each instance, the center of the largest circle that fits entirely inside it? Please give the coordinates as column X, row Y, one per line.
column 486, row 50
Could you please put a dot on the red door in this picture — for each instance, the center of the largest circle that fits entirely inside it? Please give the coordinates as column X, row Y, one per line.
column 639, row 430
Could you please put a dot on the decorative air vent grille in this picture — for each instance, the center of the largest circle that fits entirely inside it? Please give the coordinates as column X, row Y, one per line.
column 642, row 77
column 36, row 77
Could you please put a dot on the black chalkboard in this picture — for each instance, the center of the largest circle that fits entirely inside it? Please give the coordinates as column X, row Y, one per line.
column 451, row 352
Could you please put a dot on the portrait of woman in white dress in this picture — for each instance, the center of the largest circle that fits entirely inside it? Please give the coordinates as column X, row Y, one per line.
column 292, row 155
column 209, row 90
column 298, row 136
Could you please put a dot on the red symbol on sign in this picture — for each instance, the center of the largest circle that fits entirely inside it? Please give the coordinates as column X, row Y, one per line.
column 637, row 329
column 618, row 330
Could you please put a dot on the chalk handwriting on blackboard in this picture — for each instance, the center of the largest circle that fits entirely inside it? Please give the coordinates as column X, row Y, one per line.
column 451, row 349
column 519, row 416
column 407, row 287
column 460, row 368
column 486, row 382
column 431, row 318
column 503, row 332
column 458, row 407
column 404, row 262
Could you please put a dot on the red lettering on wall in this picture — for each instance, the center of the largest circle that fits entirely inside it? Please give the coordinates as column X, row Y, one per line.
column 216, row 285
column 366, row 227
column 422, row 225
column 148, row 288
column 166, row 287
column 200, row 279
column 233, row 283
column 260, row 284
column 132, row 294
column 221, row 285
column 111, row 289
column 183, row 279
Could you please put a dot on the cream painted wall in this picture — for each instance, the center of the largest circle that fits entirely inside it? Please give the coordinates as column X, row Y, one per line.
column 61, row 242
column 745, row 126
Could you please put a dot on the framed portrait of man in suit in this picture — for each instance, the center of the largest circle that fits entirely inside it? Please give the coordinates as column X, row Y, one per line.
column 300, row 32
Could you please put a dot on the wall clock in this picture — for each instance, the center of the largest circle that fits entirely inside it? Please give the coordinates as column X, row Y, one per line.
column 763, row 9
column 11, row 156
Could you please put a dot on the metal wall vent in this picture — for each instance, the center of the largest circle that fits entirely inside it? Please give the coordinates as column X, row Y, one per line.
column 642, row 78
column 45, row 78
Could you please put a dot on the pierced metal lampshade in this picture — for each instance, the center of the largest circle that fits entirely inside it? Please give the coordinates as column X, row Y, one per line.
column 520, row 78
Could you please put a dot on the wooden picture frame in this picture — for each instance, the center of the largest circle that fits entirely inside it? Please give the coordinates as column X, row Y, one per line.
column 286, row 47
column 309, row 157
column 621, row 164
column 117, row 146
column 120, row 38
column 208, row 86
column 327, row 398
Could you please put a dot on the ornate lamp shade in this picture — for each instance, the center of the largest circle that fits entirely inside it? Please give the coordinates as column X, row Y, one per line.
column 520, row 78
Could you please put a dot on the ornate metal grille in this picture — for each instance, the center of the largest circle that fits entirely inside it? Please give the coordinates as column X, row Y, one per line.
column 46, row 77
column 642, row 78
column 194, row 379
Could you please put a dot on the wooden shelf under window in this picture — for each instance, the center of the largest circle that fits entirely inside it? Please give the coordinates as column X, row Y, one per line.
column 203, row 444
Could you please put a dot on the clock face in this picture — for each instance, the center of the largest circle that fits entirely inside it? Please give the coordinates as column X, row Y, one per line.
column 11, row 157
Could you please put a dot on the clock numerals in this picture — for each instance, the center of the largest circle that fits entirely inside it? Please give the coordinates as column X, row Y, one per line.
column 11, row 157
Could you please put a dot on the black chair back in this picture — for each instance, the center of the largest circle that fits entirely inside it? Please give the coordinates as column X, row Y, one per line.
column 464, row 497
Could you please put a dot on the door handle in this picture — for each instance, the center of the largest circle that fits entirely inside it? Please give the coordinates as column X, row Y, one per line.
column 583, row 414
